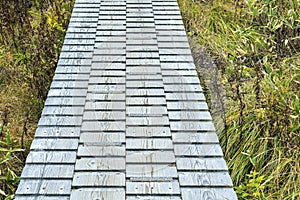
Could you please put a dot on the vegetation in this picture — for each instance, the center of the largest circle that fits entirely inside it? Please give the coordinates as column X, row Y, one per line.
column 31, row 36
column 256, row 46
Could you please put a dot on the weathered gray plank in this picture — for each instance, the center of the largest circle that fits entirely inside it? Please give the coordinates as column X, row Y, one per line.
column 66, row 101
column 60, row 121
column 208, row 193
column 101, row 150
column 198, row 150
column 149, row 170
column 102, row 137
column 147, row 121
column 148, row 131
column 62, row 110
column 194, row 137
column 104, row 115
column 189, row 115
column 57, row 132
column 41, row 197
column 51, row 157
column 42, row 186
column 47, row 171
column 148, row 144
column 144, row 92
column 201, row 164
column 152, row 187
column 54, row 144
column 185, row 96
column 98, row 179
column 205, row 179
column 146, row 111
column 103, row 126
column 150, row 157
column 96, row 164
column 110, row 106
column 192, row 126
column 98, row 193
column 187, row 105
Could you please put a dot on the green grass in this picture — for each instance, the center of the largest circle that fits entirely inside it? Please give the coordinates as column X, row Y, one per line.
column 256, row 46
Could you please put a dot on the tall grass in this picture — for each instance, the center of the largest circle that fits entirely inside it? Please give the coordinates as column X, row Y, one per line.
column 31, row 36
column 256, row 46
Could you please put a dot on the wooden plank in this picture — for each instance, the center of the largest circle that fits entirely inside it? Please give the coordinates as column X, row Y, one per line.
column 101, row 151
column 194, row 137
column 51, row 157
column 146, row 62
column 105, row 97
column 98, row 179
column 103, row 126
column 96, row 164
column 41, row 197
column 152, row 187
column 198, row 150
column 192, row 126
column 107, row 80
column 148, row 144
column 67, row 93
column 42, row 186
column 146, row 110
column 54, row 144
column 138, row 55
column 97, row 193
column 69, row 84
column 108, row 58
column 105, row 70
column 175, row 52
column 108, row 106
column 144, row 84
column 153, row 197
column 187, row 105
column 181, row 79
column 108, row 69
column 189, row 115
column 144, row 92
column 63, row 110
column 106, row 88
column 150, row 170
column 185, row 96
column 146, row 101
column 152, row 77
column 208, row 193
column 57, row 132
column 214, row 179
column 102, row 137
column 150, row 157
column 177, row 66
column 47, row 171
column 148, row 131
column 147, row 121
column 201, row 164
column 66, row 101
column 183, row 88
column 75, row 76
column 104, row 115
column 60, row 121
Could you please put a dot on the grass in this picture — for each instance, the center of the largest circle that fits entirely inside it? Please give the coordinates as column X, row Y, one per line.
column 256, row 47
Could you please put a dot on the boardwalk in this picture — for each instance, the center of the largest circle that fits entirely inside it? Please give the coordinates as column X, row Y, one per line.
column 125, row 117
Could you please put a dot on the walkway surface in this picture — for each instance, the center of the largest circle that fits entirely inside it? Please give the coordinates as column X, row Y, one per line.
column 125, row 117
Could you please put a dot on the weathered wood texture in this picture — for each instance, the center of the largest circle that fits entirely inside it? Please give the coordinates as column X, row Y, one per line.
column 125, row 117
